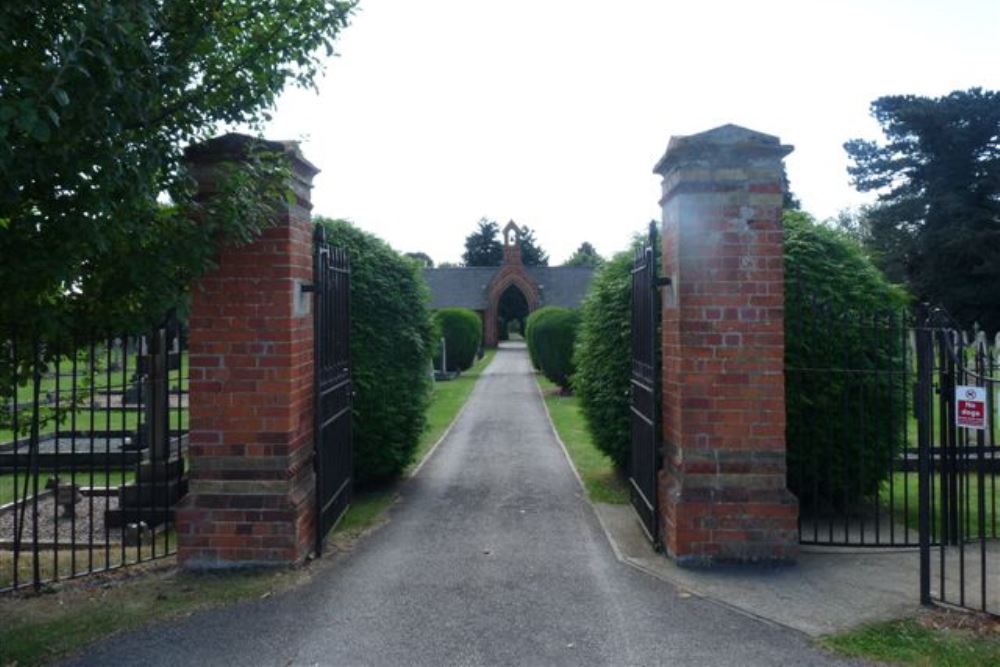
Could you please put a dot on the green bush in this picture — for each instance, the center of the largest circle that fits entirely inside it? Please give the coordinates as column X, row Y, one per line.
column 462, row 332
column 845, row 344
column 551, row 335
column 531, row 349
column 392, row 344
column 603, row 357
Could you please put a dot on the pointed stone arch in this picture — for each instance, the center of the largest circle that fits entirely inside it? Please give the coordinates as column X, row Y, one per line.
column 509, row 275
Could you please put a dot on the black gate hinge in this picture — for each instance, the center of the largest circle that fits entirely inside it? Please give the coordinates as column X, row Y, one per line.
column 664, row 282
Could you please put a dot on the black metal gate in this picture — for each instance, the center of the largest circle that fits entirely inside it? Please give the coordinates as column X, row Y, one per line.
column 957, row 410
column 332, row 320
column 644, row 459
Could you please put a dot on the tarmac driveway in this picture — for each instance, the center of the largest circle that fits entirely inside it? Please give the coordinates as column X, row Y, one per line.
column 494, row 557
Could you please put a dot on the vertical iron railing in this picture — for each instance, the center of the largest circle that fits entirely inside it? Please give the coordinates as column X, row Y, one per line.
column 644, row 455
column 87, row 479
column 959, row 465
column 851, row 432
column 333, row 388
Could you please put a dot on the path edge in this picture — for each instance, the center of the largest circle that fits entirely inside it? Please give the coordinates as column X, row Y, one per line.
column 681, row 586
column 447, row 431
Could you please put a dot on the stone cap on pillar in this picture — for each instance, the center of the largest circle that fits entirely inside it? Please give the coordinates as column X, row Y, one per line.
column 721, row 146
column 232, row 147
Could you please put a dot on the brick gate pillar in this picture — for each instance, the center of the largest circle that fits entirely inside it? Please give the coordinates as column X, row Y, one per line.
column 722, row 489
column 252, row 486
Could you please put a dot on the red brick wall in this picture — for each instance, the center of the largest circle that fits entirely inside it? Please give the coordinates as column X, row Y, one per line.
column 722, row 490
column 251, row 496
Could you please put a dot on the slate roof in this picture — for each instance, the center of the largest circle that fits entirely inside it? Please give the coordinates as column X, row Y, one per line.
column 467, row 286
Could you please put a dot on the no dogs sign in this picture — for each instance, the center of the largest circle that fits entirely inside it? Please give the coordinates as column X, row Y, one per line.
column 970, row 407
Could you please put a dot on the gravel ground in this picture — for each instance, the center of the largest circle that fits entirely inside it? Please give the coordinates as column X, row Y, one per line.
column 52, row 519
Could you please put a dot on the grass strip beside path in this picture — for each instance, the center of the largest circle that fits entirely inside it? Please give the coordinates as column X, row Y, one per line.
column 604, row 483
column 920, row 642
column 37, row 630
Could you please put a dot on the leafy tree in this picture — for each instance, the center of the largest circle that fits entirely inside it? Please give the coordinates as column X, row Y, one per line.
column 585, row 255
column 532, row 254
column 97, row 101
column 788, row 199
column 449, row 265
column 421, row 258
column 394, row 342
column 936, row 223
column 483, row 246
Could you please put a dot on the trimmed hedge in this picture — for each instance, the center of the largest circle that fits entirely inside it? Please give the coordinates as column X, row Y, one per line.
column 392, row 344
column 551, row 335
column 462, row 332
column 839, row 312
column 823, row 464
column 603, row 357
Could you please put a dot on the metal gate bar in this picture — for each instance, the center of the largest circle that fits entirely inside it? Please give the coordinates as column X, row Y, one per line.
column 333, row 387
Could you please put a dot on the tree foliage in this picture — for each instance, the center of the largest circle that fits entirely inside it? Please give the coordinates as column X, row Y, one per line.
column 462, row 332
column 603, row 357
column 585, row 255
column 483, row 246
column 532, row 254
column 937, row 221
column 392, row 343
column 421, row 258
column 844, row 356
column 551, row 334
column 97, row 101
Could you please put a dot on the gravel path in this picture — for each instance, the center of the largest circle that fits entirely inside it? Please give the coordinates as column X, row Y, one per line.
column 493, row 557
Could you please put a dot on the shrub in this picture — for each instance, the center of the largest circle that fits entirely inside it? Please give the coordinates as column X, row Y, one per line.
column 392, row 339
column 462, row 333
column 603, row 357
column 840, row 313
column 551, row 336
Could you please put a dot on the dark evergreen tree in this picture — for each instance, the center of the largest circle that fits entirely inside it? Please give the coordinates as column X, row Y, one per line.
column 532, row 253
column 585, row 255
column 483, row 246
column 937, row 220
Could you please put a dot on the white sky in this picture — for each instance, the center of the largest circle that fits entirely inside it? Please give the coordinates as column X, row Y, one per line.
column 553, row 112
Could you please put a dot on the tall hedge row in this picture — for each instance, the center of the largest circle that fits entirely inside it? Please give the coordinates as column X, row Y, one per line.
column 551, row 334
column 391, row 344
column 846, row 401
column 462, row 331
column 603, row 357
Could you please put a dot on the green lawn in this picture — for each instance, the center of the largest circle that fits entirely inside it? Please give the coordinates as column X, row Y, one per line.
column 114, row 477
column 604, row 483
column 37, row 630
column 908, row 642
column 906, row 486
column 446, row 401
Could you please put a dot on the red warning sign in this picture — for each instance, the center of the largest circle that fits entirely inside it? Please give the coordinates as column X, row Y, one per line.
column 970, row 407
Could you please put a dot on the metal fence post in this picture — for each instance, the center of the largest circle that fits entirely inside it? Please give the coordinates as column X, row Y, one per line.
column 925, row 376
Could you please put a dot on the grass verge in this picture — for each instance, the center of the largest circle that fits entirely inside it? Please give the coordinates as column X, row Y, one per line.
column 447, row 399
column 37, row 630
column 603, row 482
column 951, row 639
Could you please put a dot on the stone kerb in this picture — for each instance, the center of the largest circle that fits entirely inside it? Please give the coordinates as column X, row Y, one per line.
column 252, row 487
column 723, row 493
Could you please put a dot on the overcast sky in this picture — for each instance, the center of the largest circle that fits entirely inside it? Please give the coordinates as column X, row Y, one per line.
column 553, row 112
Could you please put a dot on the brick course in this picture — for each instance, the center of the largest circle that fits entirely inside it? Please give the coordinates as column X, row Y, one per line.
column 252, row 489
column 722, row 491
